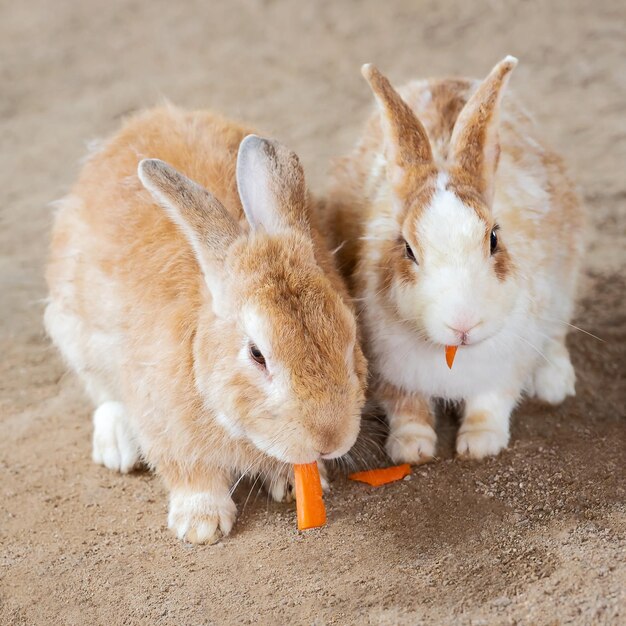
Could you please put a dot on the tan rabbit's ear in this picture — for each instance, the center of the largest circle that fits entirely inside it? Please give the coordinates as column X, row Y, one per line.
column 208, row 226
column 271, row 185
column 406, row 142
column 474, row 146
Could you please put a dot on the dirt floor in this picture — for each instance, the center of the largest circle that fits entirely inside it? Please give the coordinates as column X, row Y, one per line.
column 537, row 535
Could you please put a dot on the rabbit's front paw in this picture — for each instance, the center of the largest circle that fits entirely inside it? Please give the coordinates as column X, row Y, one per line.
column 481, row 442
column 201, row 517
column 114, row 444
column 281, row 488
column 411, row 443
column 485, row 427
column 553, row 381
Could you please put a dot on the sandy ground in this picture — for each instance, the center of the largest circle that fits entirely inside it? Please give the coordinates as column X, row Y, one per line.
column 537, row 535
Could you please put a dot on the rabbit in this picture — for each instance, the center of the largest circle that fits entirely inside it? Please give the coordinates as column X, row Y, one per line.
column 458, row 228
column 191, row 291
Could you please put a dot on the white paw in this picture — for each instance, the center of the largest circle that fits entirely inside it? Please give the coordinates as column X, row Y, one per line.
column 481, row 442
column 554, row 381
column 201, row 517
column 114, row 444
column 411, row 443
column 281, row 488
column 323, row 476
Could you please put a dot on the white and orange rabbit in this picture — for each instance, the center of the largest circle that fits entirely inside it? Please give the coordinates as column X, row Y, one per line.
column 460, row 228
column 206, row 318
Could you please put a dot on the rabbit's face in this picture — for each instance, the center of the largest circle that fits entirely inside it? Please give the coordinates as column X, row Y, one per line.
column 294, row 383
column 275, row 353
column 452, row 275
column 444, row 268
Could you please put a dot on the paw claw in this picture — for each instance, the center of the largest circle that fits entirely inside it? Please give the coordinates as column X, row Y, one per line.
column 411, row 443
column 201, row 518
column 478, row 444
column 282, row 489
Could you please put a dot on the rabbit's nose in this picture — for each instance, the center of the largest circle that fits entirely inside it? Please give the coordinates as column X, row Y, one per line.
column 462, row 331
column 328, row 442
column 334, row 445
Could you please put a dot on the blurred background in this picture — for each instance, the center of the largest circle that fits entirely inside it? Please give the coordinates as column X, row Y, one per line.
column 487, row 542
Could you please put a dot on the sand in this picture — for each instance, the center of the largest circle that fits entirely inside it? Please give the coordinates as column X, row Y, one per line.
column 537, row 535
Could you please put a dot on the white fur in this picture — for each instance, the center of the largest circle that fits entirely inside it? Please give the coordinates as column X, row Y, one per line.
column 281, row 488
column 491, row 433
column 232, row 427
column 512, row 346
column 257, row 328
column 114, row 444
column 554, row 379
column 201, row 517
column 410, row 442
column 511, row 328
column 456, row 286
column 377, row 173
column 90, row 352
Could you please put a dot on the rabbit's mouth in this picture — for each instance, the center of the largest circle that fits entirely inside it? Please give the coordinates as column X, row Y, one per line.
column 466, row 336
column 467, row 342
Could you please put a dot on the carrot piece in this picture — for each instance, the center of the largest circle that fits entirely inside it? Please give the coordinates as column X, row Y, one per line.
column 378, row 477
column 450, row 354
column 309, row 501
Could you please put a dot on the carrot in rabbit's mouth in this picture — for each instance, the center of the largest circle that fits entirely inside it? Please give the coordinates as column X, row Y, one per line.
column 309, row 501
column 450, row 354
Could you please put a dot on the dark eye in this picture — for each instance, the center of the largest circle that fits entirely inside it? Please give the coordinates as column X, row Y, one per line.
column 409, row 252
column 494, row 239
column 257, row 355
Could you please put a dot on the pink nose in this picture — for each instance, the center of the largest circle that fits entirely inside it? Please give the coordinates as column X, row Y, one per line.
column 463, row 330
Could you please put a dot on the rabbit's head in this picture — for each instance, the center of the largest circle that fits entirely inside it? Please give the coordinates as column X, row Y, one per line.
column 276, row 355
column 436, row 252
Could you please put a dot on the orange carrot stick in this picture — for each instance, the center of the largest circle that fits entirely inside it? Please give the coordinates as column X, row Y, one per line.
column 378, row 477
column 309, row 501
column 450, row 354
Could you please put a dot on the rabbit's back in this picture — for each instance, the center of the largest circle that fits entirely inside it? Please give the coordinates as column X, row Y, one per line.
column 121, row 275
column 109, row 225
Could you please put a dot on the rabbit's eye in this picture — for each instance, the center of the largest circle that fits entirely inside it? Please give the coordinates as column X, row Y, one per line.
column 408, row 252
column 494, row 239
column 257, row 355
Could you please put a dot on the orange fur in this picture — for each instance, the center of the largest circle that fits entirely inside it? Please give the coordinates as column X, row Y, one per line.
column 132, row 314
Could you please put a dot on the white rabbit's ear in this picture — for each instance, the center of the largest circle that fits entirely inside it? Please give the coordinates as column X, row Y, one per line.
column 474, row 146
column 208, row 226
column 406, row 141
column 271, row 185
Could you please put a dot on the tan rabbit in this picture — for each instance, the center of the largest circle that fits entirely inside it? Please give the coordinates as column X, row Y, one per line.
column 460, row 228
column 199, row 306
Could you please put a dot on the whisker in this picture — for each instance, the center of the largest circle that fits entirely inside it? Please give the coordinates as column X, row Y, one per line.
column 534, row 348
column 582, row 330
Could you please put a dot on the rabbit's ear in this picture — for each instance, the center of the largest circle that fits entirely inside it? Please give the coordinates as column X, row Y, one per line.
column 271, row 185
column 208, row 226
column 406, row 143
column 474, row 146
